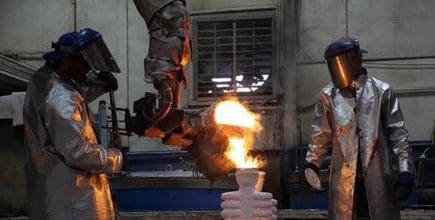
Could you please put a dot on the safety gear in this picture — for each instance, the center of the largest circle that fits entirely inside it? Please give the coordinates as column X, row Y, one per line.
column 343, row 58
column 310, row 178
column 94, row 87
column 405, row 185
column 65, row 164
column 87, row 43
column 370, row 126
column 109, row 80
column 91, row 45
column 65, row 41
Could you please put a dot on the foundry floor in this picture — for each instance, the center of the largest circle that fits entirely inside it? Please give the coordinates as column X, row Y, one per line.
column 212, row 215
column 283, row 214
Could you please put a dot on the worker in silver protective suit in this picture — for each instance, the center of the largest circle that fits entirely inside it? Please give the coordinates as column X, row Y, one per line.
column 66, row 167
column 359, row 117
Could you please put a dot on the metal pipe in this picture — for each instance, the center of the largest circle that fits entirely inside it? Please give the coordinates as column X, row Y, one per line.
column 234, row 83
column 102, row 125
column 74, row 2
column 116, row 138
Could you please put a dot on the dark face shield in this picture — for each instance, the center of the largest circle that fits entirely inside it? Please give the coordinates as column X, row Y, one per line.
column 99, row 57
column 344, row 69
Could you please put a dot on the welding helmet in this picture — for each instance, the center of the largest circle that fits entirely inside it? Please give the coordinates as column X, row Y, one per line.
column 88, row 44
column 344, row 58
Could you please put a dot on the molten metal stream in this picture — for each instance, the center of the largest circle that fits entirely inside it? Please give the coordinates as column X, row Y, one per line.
column 248, row 202
column 240, row 125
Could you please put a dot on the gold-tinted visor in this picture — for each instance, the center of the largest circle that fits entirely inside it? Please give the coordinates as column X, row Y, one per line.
column 342, row 70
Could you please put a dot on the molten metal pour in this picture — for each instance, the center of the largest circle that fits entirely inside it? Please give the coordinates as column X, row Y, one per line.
column 240, row 127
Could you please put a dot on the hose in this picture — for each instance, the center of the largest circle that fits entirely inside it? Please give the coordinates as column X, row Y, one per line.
column 165, row 103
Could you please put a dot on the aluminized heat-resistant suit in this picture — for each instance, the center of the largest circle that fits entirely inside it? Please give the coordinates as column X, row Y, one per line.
column 66, row 167
column 368, row 125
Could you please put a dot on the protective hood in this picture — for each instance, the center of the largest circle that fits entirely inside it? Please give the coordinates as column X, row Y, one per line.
column 92, row 47
column 343, row 58
column 87, row 43
column 99, row 58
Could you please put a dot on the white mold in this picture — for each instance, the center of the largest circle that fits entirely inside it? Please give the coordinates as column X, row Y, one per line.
column 249, row 202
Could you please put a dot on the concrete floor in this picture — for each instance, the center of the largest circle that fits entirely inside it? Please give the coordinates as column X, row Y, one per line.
column 283, row 214
column 212, row 215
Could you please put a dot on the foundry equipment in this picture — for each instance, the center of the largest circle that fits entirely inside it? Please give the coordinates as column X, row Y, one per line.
column 249, row 202
column 240, row 126
column 158, row 115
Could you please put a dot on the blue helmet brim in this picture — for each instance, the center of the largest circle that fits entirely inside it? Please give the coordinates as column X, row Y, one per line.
column 54, row 56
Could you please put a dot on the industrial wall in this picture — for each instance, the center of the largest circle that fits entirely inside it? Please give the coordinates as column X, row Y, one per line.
column 387, row 29
column 397, row 31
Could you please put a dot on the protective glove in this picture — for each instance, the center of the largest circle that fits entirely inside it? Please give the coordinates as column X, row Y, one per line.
column 115, row 143
column 124, row 167
column 109, row 80
column 310, row 178
column 406, row 183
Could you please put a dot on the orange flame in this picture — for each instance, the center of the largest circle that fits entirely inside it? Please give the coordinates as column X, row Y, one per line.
column 186, row 43
column 232, row 113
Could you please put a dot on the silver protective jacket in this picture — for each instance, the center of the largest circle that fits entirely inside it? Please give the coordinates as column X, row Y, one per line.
column 369, row 125
column 65, row 166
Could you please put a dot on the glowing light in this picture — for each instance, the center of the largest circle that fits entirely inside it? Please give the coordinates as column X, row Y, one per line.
column 265, row 76
column 219, row 80
column 238, row 153
column 186, row 44
column 260, row 83
column 222, row 85
column 233, row 114
column 243, row 89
